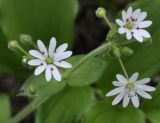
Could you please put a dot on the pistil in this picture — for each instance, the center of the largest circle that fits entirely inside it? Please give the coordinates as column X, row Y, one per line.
column 49, row 60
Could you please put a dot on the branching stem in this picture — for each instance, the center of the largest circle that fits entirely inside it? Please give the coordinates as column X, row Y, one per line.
column 40, row 100
column 123, row 68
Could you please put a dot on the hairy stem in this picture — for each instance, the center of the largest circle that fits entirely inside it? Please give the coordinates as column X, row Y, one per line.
column 39, row 101
column 109, row 23
column 124, row 70
column 23, row 51
column 90, row 55
column 28, row 109
column 128, row 42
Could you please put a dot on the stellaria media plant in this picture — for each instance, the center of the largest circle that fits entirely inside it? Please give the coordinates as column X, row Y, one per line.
column 82, row 68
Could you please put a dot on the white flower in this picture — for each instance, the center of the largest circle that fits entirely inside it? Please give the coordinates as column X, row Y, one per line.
column 130, row 89
column 133, row 24
column 47, row 60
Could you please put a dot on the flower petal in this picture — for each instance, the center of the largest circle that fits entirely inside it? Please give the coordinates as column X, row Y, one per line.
column 118, row 98
column 64, row 55
column 39, row 69
column 136, row 13
column 48, row 73
column 119, row 22
column 143, row 81
column 35, row 62
column 62, row 48
column 42, row 48
column 116, row 83
column 134, row 77
column 142, row 16
column 146, row 87
column 144, row 33
column 143, row 94
column 124, row 15
column 126, row 100
column 36, row 54
column 63, row 64
column 128, row 35
column 138, row 36
column 135, row 101
column 145, row 24
column 122, row 30
column 52, row 46
column 121, row 79
column 56, row 74
column 115, row 91
column 129, row 12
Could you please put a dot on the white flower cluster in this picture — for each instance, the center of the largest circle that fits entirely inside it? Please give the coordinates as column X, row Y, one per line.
column 133, row 24
column 49, row 60
column 130, row 89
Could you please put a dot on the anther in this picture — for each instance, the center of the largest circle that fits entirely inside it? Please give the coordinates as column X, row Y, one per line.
column 42, row 53
column 127, row 19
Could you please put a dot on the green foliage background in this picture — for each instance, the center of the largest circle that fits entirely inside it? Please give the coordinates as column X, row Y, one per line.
column 74, row 100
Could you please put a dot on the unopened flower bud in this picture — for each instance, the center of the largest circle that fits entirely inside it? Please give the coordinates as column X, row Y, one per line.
column 26, row 39
column 147, row 41
column 32, row 90
column 126, row 51
column 13, row 45
column 116, row 52
column 25, row 60
column 101, row 12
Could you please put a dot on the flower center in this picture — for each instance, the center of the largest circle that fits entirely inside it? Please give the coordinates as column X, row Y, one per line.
column 49, row 60
column 129, row 25
column 129, row 85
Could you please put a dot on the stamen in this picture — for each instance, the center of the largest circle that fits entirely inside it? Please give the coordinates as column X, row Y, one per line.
column 127, row 19
column 132, row 19
column 42, row 53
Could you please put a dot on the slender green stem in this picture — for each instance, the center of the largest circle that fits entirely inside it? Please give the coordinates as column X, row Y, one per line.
column 109, row 23
column 124, row 70
column 39, row 101
column 23, row 51
column 27, row 110
column 91, row 54
column 128, row 42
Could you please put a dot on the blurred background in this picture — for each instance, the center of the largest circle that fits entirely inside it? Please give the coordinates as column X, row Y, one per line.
column 69, row 21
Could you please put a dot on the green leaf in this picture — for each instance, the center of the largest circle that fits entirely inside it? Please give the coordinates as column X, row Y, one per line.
column 145, row 59
column 152, row 107
column 41, row 19
column 153, row 116
column 8, row 59
column 66, row 106
column 104, row 112
column 5, row 109
column 42, row 88
column 88, row 73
